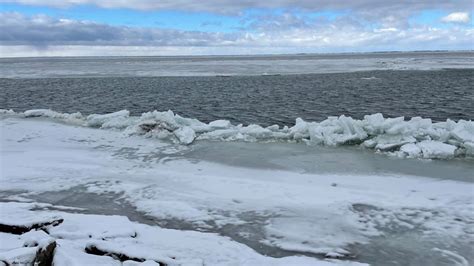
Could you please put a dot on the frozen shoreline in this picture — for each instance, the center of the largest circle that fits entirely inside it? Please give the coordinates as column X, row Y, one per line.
column 78, row 200
column 325, row 213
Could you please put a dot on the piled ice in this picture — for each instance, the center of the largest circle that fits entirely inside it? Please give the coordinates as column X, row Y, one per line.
column 415, row 138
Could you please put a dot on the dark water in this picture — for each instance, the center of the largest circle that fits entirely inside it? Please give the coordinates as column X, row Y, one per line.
column 265, row 100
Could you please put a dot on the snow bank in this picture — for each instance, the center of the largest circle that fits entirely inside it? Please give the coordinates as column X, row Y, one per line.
column 414, row 138
column 23, row 249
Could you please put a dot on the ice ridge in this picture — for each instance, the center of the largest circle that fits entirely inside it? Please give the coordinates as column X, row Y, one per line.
column 414, row 138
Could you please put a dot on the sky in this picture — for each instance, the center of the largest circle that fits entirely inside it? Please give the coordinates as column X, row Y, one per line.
column 230, row 27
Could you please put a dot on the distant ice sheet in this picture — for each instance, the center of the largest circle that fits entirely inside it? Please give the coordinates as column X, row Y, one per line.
column 230, row 65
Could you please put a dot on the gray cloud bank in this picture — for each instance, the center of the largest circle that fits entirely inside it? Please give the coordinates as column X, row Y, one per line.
column 41, row 30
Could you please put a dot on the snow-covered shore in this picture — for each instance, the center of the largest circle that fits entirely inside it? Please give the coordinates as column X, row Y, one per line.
column 317, row 213
column 85, row 239
column 64, row 237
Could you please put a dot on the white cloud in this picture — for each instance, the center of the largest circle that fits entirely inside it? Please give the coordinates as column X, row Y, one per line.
column 391, row 29
column 457, row 17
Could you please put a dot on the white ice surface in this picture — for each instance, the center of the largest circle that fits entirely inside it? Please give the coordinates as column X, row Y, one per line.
column 303, row 212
